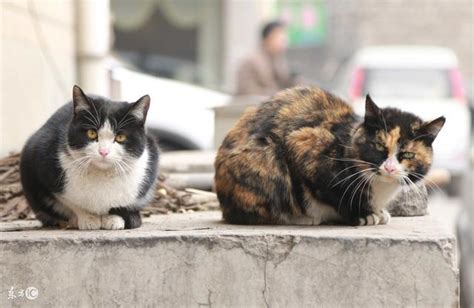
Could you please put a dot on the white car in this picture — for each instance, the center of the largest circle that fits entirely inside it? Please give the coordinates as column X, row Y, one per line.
column 424, row 80
column 180, row 114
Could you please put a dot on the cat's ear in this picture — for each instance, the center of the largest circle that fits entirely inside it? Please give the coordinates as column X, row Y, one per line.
column 373, row 114
column 372, row 111
column 140, row 108
column 429, row 130
column 80, row 100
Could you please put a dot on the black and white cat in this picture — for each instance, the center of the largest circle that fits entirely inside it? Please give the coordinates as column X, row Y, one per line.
column 91, row 164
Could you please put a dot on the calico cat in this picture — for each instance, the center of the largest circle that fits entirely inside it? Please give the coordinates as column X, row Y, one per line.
column 91, row 164
column 304, row 157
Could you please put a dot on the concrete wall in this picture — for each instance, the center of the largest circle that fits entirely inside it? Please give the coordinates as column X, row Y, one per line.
column 195, row 260
column 37, row 65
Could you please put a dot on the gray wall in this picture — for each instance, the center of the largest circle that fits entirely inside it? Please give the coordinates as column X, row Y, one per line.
column 357, row 23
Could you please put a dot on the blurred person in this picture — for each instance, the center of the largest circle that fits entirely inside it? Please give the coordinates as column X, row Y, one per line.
column 266, row 71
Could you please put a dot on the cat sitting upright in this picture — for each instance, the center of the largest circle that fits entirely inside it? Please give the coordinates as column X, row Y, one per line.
column 304, row 157
column 91, row 164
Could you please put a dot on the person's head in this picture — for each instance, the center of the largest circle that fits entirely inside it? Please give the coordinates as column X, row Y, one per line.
column 274, row 37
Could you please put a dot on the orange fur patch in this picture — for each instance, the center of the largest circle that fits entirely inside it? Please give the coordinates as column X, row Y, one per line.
column 390, row 139
column 422, row 152
column 309, row 140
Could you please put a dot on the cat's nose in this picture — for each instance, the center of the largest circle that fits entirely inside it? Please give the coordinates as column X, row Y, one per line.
column 104, row 152
column 390, row 167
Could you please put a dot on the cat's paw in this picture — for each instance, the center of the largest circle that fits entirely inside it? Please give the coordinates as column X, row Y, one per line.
column 384, row 217
column 369, row 220
column 381, row 218
column 88, row 222
column 112, row 222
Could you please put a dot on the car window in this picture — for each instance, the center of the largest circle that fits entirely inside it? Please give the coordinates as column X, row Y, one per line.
column 412, row 83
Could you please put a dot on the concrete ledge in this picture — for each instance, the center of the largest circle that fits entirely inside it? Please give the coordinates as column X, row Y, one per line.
column 196, row 260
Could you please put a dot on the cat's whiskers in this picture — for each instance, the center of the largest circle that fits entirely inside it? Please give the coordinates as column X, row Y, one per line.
column 95, row 119
column 83, row 166
column 367, row 184
column 427, row 181
column 347, row 168
column 358, row 178
column 414, row 188
column 405, row 188
column 127, row 163
column 117, row 171
column 123, row 124
column 352, row 160
column 92, row 122
column 120, row 168
column 355, row 182
column 114, row 123
column 97, row 116
column 362, row 186
column 71, row 166
column 127, row 118
column 350, row 176
column 73, row 163
column 124, row 167
column 374, row 178
column 356, row 189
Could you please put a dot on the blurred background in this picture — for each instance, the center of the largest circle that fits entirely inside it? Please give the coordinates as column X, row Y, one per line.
column 204, row 61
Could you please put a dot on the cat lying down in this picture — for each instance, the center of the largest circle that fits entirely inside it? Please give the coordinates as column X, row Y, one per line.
column 91, row 165
column 303, row 157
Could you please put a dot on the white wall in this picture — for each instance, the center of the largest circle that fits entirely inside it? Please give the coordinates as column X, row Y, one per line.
column 242, row 21
column 37, row 65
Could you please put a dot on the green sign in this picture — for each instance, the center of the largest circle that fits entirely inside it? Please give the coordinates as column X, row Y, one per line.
column 306, row 21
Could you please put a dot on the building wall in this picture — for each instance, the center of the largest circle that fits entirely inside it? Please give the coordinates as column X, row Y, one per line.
column 353, row 24
column 428, row 22
column 242, row 22
column 37, row 65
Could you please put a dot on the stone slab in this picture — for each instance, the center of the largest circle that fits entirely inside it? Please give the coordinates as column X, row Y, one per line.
column 196, row 260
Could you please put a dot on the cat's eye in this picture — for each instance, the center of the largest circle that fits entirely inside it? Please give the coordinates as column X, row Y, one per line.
column 407, row 155
column 379, row 146
column 120, row 138
column 91, row 134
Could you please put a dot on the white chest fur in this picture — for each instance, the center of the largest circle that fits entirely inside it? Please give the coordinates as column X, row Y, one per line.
column 97, row 191
column 383, row 192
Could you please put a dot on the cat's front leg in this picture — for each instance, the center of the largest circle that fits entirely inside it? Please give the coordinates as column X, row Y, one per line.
column 131, row 217
column 112, row 222
column 88, row 222
column 381, row 217
column 84, row 220
column 384, row 217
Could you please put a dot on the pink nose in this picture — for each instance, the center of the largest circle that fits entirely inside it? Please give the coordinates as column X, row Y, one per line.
column 390, row 166
column 104, row 152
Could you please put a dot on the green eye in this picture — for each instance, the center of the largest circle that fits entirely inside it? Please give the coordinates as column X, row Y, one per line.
column 407, row 155
column 379, row 146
